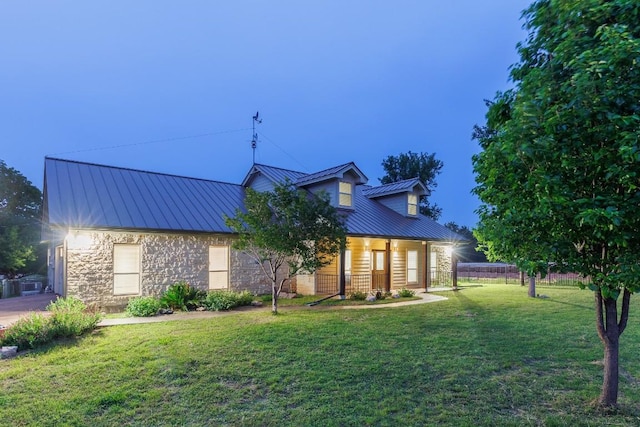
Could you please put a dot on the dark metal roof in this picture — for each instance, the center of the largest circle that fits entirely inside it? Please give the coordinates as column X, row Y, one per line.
column 95, row 196
column 334, row 172
column 371, row 218
column 87, row 195
column 395, row 188
column 273, row 173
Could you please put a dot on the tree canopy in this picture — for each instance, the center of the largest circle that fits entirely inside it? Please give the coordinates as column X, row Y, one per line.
column 559, row 170
column 411, row 165
column 288, row 231
column 20, row 207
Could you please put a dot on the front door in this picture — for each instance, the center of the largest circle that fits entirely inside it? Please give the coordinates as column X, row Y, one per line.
column 378, row 270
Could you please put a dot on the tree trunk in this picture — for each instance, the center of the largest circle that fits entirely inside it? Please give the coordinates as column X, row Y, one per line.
column 609, row 394
column 532, row 286
column 274, row 298
column 609, row 333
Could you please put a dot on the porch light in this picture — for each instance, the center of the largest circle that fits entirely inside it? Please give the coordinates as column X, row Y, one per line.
column 76, row 240
column 395, row 245
column 366, row 244
column 449, row 250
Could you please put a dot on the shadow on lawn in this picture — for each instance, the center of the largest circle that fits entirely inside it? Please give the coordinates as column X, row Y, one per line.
column 586, row 307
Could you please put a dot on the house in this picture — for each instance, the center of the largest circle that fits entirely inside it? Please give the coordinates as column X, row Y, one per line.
column 114, row 233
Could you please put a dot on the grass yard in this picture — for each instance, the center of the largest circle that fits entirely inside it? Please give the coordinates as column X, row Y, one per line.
column 487, row 356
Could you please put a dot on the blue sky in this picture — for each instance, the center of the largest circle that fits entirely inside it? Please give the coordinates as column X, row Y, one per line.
column 171, row 86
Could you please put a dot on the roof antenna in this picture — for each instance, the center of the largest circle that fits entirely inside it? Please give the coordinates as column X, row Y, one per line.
column 254, row 141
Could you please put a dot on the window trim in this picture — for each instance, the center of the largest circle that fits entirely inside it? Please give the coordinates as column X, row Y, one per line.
column 342, row 193
column 136, row 273
column 411, row 205
column 414, row 269
column 226, row 270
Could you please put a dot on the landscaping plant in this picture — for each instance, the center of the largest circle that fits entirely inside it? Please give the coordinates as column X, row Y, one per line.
column 182, row 296
column 69, row 318
column 143, row 306
column 226, row 300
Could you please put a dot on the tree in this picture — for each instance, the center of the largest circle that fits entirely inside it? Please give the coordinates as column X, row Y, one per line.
column 290, row 228
column 559, row 170
column 468, row 252
column 413, row 165
column 20, row 207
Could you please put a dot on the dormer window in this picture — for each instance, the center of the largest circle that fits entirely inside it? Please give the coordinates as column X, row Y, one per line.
column 412, row 207
column 345, row 194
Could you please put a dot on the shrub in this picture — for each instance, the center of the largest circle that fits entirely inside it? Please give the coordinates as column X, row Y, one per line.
column 30, row 331
column 358, row 296
column 226, row 300
column 71, row 318
column 181, row 296
column 143, row 306
column 245, row 298
column 406, row 293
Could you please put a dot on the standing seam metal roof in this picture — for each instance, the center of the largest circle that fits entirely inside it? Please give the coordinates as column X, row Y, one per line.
column 96, row 196
column 87, row 195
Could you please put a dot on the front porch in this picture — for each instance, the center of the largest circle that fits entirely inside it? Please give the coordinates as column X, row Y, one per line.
column 328, row 284
column 370, row 264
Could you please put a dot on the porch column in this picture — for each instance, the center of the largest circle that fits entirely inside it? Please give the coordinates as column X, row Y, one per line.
column 423, row 266
column 427, row 263
column 387, row 268
column 341, row 275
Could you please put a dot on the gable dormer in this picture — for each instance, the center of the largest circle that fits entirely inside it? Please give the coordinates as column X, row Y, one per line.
column 402, row 196
column 263, row 177
column 339, row 182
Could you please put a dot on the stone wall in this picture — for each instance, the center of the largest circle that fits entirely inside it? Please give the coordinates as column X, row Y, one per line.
column 165, row 259
column 443, row 266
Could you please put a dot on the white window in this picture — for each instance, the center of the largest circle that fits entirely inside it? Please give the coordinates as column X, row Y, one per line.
column 218, row 267
column 413, row 204
column 345, row 193
column 126, row 269
column 412, row 266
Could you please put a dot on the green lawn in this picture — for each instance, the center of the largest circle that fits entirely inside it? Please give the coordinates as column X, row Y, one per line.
column 487, row 356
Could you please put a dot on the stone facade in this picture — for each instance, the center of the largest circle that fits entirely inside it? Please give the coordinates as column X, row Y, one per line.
column 165, row 259
column 443, row 266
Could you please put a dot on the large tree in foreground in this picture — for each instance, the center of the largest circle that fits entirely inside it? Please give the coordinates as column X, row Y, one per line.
column 559, row 170
column 288, row 231
column 20, row 204
column 415, row 165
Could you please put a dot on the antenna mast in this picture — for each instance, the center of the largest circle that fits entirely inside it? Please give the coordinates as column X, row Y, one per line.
column 254, row 140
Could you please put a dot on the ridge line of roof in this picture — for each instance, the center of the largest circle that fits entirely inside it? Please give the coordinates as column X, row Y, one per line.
column 140, row 171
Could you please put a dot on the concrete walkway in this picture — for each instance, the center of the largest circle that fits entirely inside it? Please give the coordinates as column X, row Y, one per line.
column 11, row 309
column 424, row 298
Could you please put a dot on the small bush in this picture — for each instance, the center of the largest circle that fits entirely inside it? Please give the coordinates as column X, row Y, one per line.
column 30, row 331
column 358, row 296
column 406, row 293
column 181, row 296
column 143, row 306
column 226, row 300
column 245, row 298
column 71, row 318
